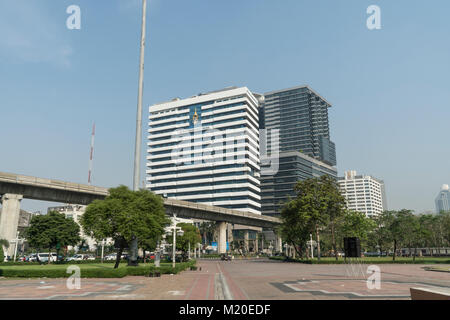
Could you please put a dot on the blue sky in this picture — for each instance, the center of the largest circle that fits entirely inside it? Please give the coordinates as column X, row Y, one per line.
column 389, row 88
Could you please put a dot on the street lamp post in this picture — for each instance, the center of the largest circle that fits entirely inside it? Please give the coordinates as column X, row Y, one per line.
column 16, row 244
column 174, row 242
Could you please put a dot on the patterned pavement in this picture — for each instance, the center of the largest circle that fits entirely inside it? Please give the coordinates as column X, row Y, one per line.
column 241, row 280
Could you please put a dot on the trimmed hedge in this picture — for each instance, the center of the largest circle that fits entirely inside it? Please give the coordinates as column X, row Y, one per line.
column 399, row 260
column 49, row 271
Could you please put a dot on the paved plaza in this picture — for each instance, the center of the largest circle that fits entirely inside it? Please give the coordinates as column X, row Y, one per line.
column 241, row 280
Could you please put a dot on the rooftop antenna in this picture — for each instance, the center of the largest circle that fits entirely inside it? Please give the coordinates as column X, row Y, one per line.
column 91, row 155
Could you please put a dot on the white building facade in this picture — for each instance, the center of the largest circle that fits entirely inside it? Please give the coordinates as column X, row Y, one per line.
column 443, row 199
column 206, row 149
column 363, row 193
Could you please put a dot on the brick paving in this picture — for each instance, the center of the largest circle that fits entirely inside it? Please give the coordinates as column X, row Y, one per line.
column 245, row 279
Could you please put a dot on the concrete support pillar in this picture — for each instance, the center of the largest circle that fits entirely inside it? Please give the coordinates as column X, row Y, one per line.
column 256, row 243
column 246, row 248
column 9, row 219
column 222, row 241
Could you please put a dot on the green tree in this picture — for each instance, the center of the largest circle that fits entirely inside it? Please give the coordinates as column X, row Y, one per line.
column 334, row 207
column 191, row 236
column 296, row 225
column 381, row 236
column 444, row 227
column 3, row 243
column 148, row 244
column 207, row 230
column 317, row 207
column 52, row 231
column 125, row 214
column 399, row 228
column 355, row 224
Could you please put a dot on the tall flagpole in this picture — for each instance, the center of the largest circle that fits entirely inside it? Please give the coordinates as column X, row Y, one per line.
column 137, row 151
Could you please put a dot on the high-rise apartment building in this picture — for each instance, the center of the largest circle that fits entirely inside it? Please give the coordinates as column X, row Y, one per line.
column 363, row 193
column 301, row 115
column 206, row 149
column 443, row 199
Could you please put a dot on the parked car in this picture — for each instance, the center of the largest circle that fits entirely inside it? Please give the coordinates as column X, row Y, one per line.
column 44, row 257
column 110, row 257
column 32, row 257
column 75, row 257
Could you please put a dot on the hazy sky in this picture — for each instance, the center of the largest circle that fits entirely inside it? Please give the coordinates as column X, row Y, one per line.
column 389, row 88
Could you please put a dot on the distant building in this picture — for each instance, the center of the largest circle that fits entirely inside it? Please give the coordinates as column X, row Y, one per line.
column 443, row 199
column 363, row 193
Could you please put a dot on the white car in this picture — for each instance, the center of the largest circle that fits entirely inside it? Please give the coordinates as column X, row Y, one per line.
column 110, row 257
column 44, row 257
column 80, row 257
column 76, row 257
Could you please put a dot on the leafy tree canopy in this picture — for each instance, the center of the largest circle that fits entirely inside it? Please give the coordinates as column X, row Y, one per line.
column 125, row 213
column 52, row 230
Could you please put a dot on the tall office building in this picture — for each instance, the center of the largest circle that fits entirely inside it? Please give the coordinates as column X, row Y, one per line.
column 363, row 193
column 443, row 199
column 293, row 166
column 305, row 150
column 206, row 149
column 301, row 115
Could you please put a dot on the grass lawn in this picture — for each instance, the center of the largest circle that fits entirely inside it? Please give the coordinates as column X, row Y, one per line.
column 94, row 270
column 372, row 260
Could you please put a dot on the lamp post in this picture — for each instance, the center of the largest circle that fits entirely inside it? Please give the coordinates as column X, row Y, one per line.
column 174, row 229
column 16, row 244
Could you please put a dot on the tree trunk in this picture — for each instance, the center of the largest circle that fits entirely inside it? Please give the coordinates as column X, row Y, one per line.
column 395, row 250
column 334, row 241
column 415, row 253
column 119, row 255
column 144, row 255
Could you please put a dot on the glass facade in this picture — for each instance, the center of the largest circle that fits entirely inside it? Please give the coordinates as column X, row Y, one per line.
column 301, row 115
column 305, row 149
column 293, row 166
